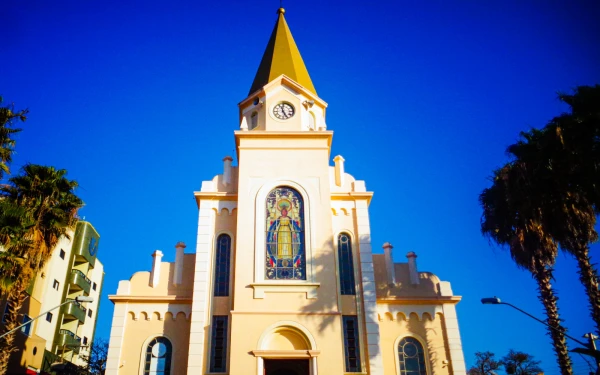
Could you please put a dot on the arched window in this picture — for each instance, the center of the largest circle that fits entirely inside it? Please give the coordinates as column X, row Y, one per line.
column 285, row 257
column 347, row 285
column 222, row 262
column 158, row 357
column 411, row 357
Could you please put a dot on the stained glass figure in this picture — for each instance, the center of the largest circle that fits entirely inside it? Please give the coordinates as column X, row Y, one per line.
column 285, row 257
column 411, row 357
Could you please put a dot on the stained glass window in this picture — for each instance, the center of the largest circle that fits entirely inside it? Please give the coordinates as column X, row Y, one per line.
column 222, row 262
column 158, row 357
column 351, row 343
column 218, row 351
column 411, row 357
column 285, row 258
column 347, row 285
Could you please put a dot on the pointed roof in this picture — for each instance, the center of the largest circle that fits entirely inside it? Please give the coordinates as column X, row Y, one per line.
column 282, row 57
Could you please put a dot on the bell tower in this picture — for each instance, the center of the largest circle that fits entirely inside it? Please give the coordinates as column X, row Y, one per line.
column 282, row 96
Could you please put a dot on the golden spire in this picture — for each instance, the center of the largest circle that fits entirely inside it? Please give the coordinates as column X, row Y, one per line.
column 282, row 57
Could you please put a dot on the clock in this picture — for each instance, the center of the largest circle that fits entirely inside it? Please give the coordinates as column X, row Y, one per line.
column 283, row 111
column 93, row 246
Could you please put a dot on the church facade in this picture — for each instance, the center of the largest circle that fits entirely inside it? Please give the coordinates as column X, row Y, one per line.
column 316, row 299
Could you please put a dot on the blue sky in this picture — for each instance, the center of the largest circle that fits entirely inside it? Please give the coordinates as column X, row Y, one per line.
column 137, row 100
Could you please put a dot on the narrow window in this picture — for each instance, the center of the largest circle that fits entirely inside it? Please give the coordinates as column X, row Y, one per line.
column 56, row 284
column 49, row 317
column 222, row 262
column 90, row 313
column 218, row 352
column 85, row 340
column 94, row 286
column 27, row 328
column 351, row 344
column 411, row 357
column 253, row 120
column 158, row 357
column 285, row 235
column 347, row 285
column 62, row 254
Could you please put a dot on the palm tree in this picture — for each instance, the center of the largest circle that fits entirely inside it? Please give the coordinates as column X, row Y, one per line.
column 7, row 142
column 49, row 207
column 512, row 217
column 564, row 159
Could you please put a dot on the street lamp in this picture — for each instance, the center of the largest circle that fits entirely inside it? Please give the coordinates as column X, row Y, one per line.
column 588, row 348
column 77, row 299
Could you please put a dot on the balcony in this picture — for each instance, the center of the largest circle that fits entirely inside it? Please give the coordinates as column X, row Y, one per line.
column 85, row 243
column 74, row 310
column 79, row 281
column 67, row 340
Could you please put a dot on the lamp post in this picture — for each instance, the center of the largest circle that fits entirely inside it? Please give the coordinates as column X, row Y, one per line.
column 589, row 348
column 77, row 299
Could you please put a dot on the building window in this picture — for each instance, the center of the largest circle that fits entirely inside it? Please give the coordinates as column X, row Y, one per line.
column 222, row 262
column 49, row 317
column 347, row 285
column 351, row 344
column 94, row 286
column 285, row 235
column 158, row 357
column 85, row 340
column 26, row 329
column 411, row 357
column 90, row 313
column 56, row 284
column 218, row 352
column 62, row 254
column 253, row 120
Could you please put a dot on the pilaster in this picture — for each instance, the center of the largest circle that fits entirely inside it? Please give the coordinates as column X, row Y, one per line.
column 457, row 358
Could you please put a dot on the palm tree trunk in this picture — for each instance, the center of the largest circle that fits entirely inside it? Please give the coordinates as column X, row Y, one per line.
column 16, row 299
column 589, row 278
column 543, row 276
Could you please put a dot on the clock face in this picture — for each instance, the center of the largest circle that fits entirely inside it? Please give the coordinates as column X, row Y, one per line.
column 283, row 111
column 93, row 246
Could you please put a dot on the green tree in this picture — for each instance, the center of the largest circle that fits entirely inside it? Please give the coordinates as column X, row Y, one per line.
column 520, row 363
column 48, row 207
column 512, row 217
column 485, row 364
column 8, row 117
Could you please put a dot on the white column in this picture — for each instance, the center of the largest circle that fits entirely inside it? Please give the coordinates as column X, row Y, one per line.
column 200, row 318
column 115, row 344
column 457, row 358
column 260, row 366
column 178, row 274
column 313, row 363
column 368, row 286
column 155, row 273
column 389, row 263
column 412, row 268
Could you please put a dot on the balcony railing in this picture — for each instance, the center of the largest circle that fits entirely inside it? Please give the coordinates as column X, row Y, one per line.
column 67, row 340
column 74, row 310
column 80, row 281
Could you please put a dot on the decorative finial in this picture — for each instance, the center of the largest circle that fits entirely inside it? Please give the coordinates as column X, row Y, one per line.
column 280, row 11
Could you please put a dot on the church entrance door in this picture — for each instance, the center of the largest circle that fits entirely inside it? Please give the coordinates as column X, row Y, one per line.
column 286, row 367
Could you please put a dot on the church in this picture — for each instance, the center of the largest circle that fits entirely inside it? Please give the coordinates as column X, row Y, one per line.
column 316, row 299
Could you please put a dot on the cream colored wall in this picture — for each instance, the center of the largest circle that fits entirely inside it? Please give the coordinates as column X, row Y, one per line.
column 430, row 332
column 139, row 332
column 56, row 269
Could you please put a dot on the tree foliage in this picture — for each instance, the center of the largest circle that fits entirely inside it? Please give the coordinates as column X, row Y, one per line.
column 486, row 364
column 520, row 363
column 8, row 117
